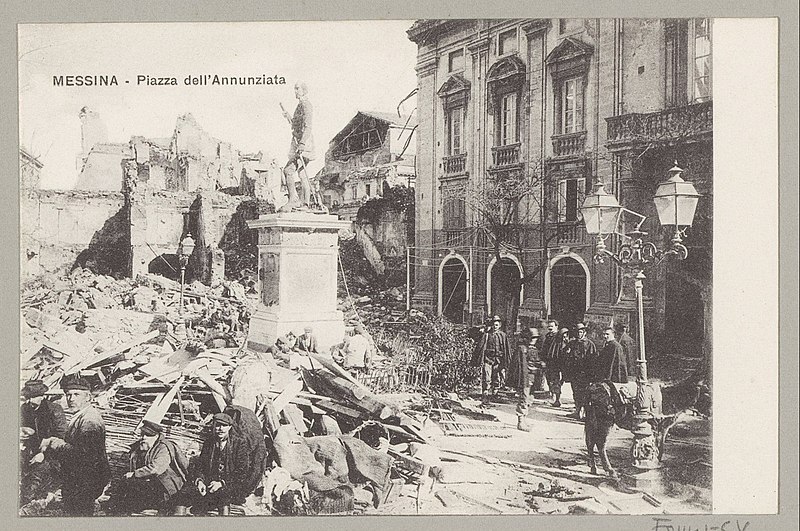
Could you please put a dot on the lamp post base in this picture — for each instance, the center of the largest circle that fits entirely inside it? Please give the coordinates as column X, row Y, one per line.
column 644, row 451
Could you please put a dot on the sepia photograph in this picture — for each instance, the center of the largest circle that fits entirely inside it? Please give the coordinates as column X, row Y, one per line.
column 374, row 267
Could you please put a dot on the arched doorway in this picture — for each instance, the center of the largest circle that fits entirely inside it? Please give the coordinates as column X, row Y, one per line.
column 167, row 265
column 567, row 291
column 453, row 282
column 505, row 290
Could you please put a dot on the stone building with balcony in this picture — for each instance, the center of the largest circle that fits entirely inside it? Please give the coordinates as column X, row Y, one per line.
column 565, row 100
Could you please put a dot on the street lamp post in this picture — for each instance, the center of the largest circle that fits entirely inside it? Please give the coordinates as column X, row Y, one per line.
column 676, row 201
column 185, row 249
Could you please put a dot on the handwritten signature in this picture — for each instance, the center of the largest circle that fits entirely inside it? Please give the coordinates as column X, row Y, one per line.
column 665, row 524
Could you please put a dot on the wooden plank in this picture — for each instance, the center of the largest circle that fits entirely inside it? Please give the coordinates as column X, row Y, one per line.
column 103, row 356
column 161, row 404
column 287, row 394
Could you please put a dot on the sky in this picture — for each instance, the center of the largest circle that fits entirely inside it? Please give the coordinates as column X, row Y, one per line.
column 348, row 66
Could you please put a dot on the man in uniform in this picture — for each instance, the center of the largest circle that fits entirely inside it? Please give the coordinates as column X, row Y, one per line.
column 581, row 355
column 611, row 364
column 301, row 150
column 82, row 451
column 492, row 353
column 550, row 348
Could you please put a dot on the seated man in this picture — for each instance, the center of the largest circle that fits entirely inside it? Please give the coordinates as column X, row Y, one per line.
column 359, row 353
column 158, row 471
column 220, row 469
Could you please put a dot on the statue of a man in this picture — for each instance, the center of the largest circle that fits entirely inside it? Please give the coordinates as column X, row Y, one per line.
column 301, row 151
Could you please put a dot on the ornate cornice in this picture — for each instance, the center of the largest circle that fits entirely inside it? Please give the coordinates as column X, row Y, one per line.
column 535, row 26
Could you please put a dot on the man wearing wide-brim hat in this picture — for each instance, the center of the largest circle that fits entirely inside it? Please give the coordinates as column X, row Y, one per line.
column 82, row 451
column 492, row 354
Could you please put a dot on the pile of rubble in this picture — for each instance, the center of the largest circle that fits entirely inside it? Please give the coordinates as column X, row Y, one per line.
column 427, row 353
column 148, row 358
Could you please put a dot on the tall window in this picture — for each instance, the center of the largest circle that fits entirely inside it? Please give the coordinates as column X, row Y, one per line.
column 455, row 61
column 455, row 122
column 572, row 106
column 454, row 213
column 571, row 193
column 508, row 119
column 507, row 43
column 702, row 59
column 675, row 61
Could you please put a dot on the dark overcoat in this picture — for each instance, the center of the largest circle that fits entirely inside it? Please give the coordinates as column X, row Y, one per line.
column 480, row 347
column 612, row 364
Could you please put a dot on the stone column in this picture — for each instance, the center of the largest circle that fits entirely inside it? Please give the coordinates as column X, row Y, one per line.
column 297, row 271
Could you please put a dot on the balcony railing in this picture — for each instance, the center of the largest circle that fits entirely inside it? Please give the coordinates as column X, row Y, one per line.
column 569, row 144
column 670, row 124
column 455, row 164
column 568, row 232
column 503, row 156
column 454, row 237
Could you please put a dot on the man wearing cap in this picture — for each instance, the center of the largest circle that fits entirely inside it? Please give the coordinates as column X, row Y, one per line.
column 158, row 471
column 611, row 363
column 518, row 379
column 550, row 350
column 492, row 353
column 581, row 354
column 220, row 472
column 307, row 341
column 82, row 450
column 44, row 417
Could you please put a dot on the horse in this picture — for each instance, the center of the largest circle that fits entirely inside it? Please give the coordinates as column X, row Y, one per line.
column 605, row 407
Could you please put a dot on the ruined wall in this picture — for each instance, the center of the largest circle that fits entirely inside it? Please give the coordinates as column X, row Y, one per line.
column 78, row 228
column 102, row 169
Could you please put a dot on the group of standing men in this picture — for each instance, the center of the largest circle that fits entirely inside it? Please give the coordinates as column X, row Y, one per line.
column 563, row 355
column 160, row 477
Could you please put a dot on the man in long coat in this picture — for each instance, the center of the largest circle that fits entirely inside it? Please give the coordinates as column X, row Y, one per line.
column 82, row 451
column 492, row 354
column 581, row 355
column 550, row 351
column 611, row 364
column 517, row 378
column 629, row 347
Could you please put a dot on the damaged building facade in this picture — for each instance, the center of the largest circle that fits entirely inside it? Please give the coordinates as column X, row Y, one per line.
column 134, row 202
column 370, row 166
column 567, row 100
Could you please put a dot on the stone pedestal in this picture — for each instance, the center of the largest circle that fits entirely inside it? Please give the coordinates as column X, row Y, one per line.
column 297, row 271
